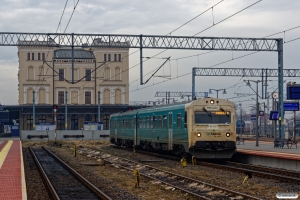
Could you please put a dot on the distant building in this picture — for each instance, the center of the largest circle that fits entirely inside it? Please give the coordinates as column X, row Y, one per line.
column 52, row 83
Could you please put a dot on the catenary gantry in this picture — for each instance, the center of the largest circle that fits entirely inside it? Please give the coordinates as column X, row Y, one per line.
column 154, row 42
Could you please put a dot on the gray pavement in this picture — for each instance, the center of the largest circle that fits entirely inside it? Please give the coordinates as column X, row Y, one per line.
column 267, row 146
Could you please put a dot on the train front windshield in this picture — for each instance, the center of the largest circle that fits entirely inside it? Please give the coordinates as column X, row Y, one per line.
column 212, row 117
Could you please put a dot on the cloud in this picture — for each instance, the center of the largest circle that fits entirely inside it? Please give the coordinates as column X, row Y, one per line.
column 159, row 18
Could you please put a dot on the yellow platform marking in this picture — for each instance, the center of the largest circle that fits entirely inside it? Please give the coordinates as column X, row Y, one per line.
column 24, row 192
column 4, row 152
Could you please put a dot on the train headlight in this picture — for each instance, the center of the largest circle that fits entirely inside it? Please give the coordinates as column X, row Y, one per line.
column 227, row 134
column 199, row 134
column 212, row 101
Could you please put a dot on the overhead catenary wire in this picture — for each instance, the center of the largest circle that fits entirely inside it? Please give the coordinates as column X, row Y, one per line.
column 40, row 74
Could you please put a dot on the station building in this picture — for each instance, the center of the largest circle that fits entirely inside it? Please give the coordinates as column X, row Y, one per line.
column 104, row 70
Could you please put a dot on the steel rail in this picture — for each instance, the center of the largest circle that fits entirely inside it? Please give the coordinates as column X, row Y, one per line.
column 50, row 189
column 177, row 175
column 255, row 170
column 81, row 178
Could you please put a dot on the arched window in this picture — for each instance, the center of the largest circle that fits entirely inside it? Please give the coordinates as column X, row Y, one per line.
column 88, row 118
column 107, row 74
column 60, row 122
column 41, row 73
column 74, row 122
column 42, row 119
column 29, row 122
column 29, row 95
column 30, row 73
column 118, row 96
column 106, row 97
column 42, row 96
column 117, row 74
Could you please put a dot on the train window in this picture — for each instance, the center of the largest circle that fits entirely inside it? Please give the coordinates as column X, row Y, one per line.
column 178, row 120
column 159, row 121
column 123, row 123
column 148, row 122
column 154, row 121
column 185, row 120
column 140, row 122
column 151, row 122
column 212, row 117
column 165, row 121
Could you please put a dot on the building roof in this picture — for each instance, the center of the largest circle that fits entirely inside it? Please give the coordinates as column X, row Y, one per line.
column 78, row 54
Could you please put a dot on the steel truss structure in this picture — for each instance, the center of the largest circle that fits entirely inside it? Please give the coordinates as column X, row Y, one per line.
column 264, row 73
column 154, row 42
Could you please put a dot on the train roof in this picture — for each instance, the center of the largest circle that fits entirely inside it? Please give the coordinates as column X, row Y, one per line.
column 168, row 106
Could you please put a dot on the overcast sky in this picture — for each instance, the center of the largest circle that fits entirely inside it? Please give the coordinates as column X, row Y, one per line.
column 160, row 17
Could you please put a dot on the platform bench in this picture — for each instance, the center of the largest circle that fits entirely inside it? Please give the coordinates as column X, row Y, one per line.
column 290, row 143
column 278, row 144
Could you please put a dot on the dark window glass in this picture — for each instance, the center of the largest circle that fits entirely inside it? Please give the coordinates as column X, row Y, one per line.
column 108, row 57
column 43, row 56
column 42, row 118
column 212, row 117
column 32, row 56
column 61, row 95
column 61, row 74
column 170, row 121
column 39, row 56
column 154, row 121
column 88, row 97
column 104, row 57
column 119, row 57
column 115, row 57
column 159, row 121
column 74, row 122
column 28, row 56
column 185, row 120
column 88, row 118
column 60, row 122
column 141, row 122
column 179, row 120
column 88, row 75
column 29, row 122
column 164, row 121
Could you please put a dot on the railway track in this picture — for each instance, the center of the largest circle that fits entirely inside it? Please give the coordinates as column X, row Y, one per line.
column 199, row 189
column 61, row 181
column 266, row 172
column 260, row 171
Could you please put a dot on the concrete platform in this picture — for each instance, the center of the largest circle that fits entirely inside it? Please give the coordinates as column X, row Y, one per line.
column 12, row 177
column 266, row 155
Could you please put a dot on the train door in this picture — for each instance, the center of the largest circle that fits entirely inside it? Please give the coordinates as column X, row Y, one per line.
column 170, row 127
column 134, row 122
column 116, row 130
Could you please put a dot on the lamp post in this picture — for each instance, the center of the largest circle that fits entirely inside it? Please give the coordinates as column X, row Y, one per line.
column 82, row 134
column 224, row 91
column 257, row 106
